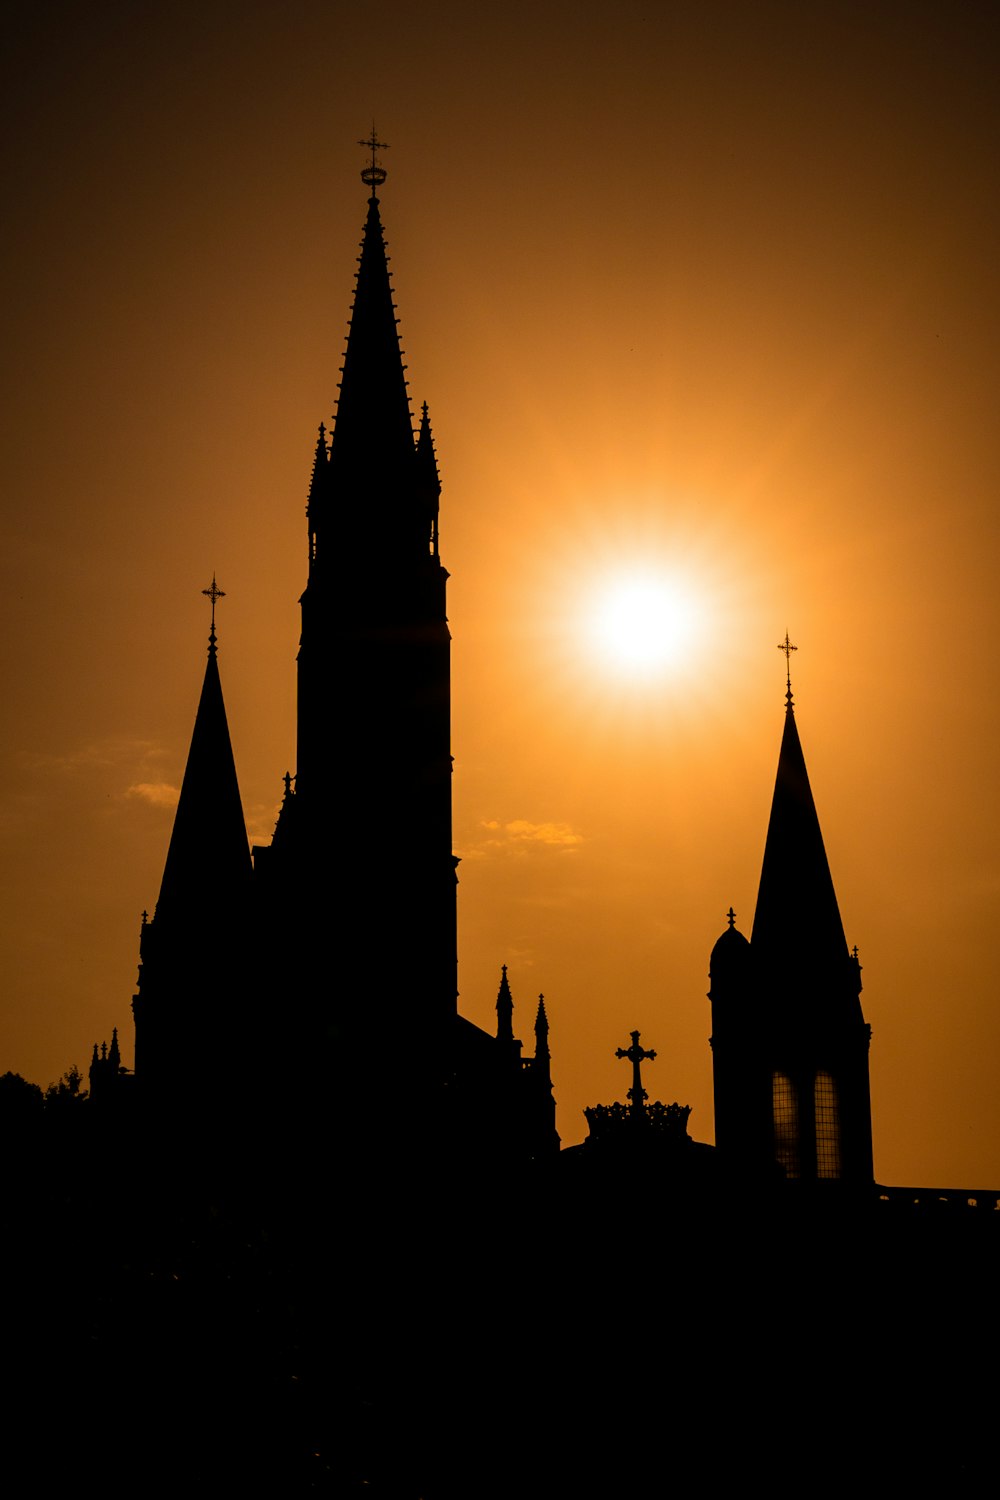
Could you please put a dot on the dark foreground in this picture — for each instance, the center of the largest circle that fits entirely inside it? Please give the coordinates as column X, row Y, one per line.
column 401, row 1334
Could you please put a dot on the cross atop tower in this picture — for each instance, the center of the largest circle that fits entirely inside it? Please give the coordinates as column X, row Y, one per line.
column 215, row 594
column 636, row 1055
column 788, row 648
column 375, row 175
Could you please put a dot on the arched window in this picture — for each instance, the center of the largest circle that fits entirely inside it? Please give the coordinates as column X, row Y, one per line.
column 785, row 1115
column 827, row 1105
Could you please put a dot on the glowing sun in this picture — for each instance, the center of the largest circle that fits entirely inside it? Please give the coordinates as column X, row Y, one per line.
column 643, row 624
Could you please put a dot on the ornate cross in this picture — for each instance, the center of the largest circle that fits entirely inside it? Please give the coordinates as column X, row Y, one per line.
column 374, row 175
column 215, row 594
column 636, row 1055
column 788, row 648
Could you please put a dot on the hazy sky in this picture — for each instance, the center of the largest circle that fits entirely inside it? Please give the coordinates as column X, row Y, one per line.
column 707, row 290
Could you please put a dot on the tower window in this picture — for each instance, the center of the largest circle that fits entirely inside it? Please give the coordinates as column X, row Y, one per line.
column 827, row 1104
column 785, row 1114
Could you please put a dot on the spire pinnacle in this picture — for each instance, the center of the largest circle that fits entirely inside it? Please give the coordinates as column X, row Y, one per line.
column 375, row 175
column 214, row 593
column 505, row 1009
column 788, row 648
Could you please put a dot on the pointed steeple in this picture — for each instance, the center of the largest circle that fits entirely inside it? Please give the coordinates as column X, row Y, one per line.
column 541, row 1030
column 208, row 860
column 798, row 937
column 505, row 1010
column 372, row 441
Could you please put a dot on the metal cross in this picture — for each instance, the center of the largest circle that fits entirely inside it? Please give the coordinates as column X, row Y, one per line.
column 636, row 1055
column 374, row 175
column 788, row 648
column 214, row 593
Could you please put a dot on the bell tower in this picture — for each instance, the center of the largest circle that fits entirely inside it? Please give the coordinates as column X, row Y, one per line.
column 789, row 1040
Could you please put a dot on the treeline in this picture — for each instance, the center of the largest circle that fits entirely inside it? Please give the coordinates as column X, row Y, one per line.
column 21, row 1101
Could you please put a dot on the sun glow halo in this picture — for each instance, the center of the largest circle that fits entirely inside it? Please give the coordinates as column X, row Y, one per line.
column 643, row 624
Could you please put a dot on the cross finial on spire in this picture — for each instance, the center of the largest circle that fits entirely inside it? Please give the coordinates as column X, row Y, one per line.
column 374, row 176
column 214, row 593
column 788, row 648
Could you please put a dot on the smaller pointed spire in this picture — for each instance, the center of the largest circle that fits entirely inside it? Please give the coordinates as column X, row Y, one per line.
column 317, row 487
column 541, row 1067
column 541, row 1029
column 426, row 457
column 114, row 1051
column 505, row 1010
column 428, row 478
column 208, row 857
column 797, row 929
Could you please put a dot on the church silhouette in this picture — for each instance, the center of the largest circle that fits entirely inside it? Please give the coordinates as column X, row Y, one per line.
column 348, row 917
column 422, row 1294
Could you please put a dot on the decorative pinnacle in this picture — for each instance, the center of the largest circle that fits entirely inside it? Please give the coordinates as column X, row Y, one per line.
column 732, row 918
column 374, row 176
column 214, row 593
column 788, row 648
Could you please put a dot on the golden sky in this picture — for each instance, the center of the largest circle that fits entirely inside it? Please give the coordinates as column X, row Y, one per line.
column 709, row 289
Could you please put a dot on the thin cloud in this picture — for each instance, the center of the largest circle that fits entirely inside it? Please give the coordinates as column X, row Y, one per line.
column 156, row 793
column 100, row 755
column 519, row 834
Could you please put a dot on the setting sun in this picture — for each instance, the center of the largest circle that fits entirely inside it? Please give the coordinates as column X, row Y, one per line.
column 643, row 623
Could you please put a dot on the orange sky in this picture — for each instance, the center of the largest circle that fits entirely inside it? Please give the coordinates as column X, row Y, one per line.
column 714, row 289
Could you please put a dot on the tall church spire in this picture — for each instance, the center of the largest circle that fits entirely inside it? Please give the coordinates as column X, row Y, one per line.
column 365, row 843
column 373, row 465
column 373, row 433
